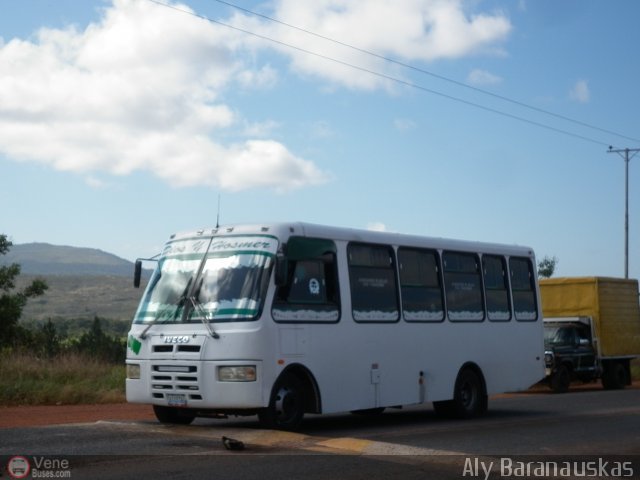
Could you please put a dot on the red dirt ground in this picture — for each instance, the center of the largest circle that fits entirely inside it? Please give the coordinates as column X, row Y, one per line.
column 27, row 416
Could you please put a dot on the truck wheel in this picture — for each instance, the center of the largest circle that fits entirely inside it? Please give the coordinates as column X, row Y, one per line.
column 560, row 380
column 469, row 397
column 614, row 376
column 286, row 408
column 173, row 415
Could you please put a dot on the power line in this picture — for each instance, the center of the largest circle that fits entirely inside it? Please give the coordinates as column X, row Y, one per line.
column 389, row 77
column 432, row 74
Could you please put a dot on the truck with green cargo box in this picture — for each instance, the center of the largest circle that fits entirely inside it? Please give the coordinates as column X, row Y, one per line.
column 592, row 330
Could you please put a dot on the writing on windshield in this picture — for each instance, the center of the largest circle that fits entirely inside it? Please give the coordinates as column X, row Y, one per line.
column 225, row 277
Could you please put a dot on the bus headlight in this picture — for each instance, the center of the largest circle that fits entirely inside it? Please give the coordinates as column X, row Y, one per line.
column 237, row 373
column 133, row 371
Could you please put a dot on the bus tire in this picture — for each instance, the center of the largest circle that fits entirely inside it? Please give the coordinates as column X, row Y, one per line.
column 172, row 415
column 614, row 376
column 287, row 404
column 469, row 397
column 560, row 380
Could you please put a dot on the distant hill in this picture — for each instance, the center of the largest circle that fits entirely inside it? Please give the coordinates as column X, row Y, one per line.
column 83, row 296
column 46, row 259
column 83, row 282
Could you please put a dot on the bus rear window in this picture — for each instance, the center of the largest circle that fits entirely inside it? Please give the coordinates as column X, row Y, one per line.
column 374, row 292
column 496, row 288
column 523, row 288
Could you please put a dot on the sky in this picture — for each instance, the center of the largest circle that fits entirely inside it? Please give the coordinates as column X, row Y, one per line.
column 124, row 121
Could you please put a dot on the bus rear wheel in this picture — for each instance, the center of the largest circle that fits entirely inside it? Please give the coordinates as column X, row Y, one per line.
column 469, row 397
column 173, row 415
column 286, row 408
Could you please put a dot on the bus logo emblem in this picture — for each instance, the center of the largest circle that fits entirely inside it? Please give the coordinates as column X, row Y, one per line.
column 177, row 339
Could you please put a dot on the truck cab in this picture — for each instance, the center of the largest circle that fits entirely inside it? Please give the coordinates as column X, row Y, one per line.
column 570, row 352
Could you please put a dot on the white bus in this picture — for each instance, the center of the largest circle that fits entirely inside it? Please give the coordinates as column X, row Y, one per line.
column 281, row 320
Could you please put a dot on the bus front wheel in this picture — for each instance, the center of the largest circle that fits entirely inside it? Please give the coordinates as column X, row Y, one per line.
column 469, row 397
column 286, row 408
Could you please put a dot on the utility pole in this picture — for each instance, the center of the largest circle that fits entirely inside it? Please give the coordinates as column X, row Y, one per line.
column 627, row 158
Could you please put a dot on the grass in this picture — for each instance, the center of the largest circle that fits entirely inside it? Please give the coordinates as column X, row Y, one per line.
column 63, row 380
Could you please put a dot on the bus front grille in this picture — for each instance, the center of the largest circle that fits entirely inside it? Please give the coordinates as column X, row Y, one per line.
column 175, row 379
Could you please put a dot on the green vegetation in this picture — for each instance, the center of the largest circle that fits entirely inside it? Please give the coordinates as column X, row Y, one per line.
column 13, row 301
column 43, row 367
column 61, row 362
column 69, row 378
column 547, row 266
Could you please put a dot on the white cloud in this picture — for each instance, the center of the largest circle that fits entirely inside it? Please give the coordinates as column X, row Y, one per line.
column 140, row 90
column 377, row 227
column 264, row 78
column 580, row 92
column 483, row 78
column 260, row 129
column 143, row 89
column 408, row 30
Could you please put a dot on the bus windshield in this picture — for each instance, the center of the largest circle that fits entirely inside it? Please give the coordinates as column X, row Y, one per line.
column 215, row 279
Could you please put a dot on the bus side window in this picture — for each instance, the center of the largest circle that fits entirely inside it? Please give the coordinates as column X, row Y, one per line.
column 523, row 289
column 463, row 287
column 420, row 285
column 308, row 284
column 496, row 287
column 372, row 276
column 310, row 294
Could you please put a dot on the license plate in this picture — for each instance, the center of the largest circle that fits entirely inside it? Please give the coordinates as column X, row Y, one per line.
column 176, row 400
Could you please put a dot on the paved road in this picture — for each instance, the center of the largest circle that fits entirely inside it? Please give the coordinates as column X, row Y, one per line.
column 409, row 443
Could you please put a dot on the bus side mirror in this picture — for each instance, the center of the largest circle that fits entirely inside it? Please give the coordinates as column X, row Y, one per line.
column 137, row 273
column 282, row 270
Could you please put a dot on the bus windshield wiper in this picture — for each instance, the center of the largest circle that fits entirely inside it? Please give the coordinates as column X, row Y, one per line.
column 179, row 303
column 197, row 305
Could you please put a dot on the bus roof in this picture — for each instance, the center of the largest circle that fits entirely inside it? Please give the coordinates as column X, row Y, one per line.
column 284, row 230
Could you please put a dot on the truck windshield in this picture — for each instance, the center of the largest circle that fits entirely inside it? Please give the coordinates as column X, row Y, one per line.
column 550, row 335
column 225, row 277
column 556, row 335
